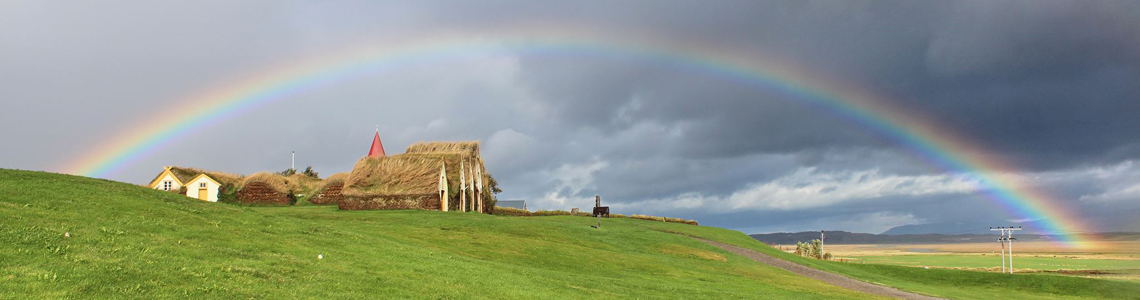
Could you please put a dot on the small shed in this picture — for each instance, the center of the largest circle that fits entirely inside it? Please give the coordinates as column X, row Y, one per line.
column 166, row 181
column 203, row 188
column 199, row 184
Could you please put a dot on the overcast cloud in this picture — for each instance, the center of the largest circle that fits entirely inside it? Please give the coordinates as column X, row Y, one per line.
column 1052, row 87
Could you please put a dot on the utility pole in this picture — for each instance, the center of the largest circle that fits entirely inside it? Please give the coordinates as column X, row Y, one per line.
column 821, row 238
column 1002, row 241
column 1009, row 237
column 1006, row 237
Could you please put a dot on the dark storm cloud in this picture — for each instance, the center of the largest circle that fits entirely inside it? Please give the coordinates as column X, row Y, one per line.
column 1050, row 85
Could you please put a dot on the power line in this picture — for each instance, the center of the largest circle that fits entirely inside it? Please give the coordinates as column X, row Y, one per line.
column 1006, row 237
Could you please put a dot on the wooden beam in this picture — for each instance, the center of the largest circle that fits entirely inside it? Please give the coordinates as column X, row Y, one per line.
column 442, row 187
column 462, row 188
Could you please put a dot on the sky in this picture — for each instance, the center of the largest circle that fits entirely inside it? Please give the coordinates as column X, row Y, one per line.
column 1049, row 87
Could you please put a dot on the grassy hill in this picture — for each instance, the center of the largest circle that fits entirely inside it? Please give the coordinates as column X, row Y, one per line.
column 129, row 241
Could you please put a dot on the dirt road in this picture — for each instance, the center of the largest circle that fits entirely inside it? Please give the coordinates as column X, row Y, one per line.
column 832, row 278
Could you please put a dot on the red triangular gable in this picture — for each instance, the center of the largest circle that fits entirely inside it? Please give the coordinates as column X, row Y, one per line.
column 377, row 149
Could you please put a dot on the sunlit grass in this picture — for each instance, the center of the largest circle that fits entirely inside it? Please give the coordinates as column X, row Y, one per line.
column 125, row 241
column 72, row 237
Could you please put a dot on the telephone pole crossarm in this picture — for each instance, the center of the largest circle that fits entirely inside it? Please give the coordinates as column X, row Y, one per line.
column 1006, row 237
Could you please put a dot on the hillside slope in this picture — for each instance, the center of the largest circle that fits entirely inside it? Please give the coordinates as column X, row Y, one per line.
column 128, row 241
column 125, row 241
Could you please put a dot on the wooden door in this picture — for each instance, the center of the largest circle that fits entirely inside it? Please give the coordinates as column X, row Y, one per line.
column 203, row 195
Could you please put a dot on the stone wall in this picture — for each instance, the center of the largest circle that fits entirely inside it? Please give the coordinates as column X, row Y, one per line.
column 261, row 193
column 390, row 202
column 330, row 194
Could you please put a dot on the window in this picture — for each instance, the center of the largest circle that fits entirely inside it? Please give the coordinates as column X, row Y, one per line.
column 166, row 185
column 202, row 185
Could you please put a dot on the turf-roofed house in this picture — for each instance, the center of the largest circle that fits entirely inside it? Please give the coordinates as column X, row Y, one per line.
column 329, row 190
column 268, row 189
column 429, row 175
column 193, row 183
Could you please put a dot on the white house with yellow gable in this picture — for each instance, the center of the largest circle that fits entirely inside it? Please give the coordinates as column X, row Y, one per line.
column 199, row 184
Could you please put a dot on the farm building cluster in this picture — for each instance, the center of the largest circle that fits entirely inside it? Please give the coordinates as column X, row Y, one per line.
column 429, row 176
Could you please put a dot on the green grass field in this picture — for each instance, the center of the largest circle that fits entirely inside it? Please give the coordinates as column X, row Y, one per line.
column 959, row 284
column 131, row 242
column 1028, row 262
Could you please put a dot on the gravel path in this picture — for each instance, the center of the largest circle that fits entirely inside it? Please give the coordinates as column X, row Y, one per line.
column 832, row 278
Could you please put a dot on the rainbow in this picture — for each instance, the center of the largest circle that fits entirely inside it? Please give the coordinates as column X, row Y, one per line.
column 939, row 147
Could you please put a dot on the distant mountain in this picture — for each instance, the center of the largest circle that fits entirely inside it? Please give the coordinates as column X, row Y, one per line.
column 964, row 232
column 840, row 237
column 1116, row 221
column 1030, row 227
column 932, row 228
column 843, row 237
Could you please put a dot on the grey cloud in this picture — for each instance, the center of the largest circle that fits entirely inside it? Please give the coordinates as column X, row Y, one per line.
column 1020, row 38
column 1047, row 85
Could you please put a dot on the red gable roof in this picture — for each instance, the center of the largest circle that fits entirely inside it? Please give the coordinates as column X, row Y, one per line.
column 377, row 149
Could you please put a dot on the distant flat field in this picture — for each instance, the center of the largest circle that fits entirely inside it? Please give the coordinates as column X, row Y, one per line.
column 1112, row 248
column 1114, row 259
column 1027, row 262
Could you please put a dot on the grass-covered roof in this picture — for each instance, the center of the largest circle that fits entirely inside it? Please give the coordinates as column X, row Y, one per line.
column 275, row 181
column 469, row 148
column 394, row 175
